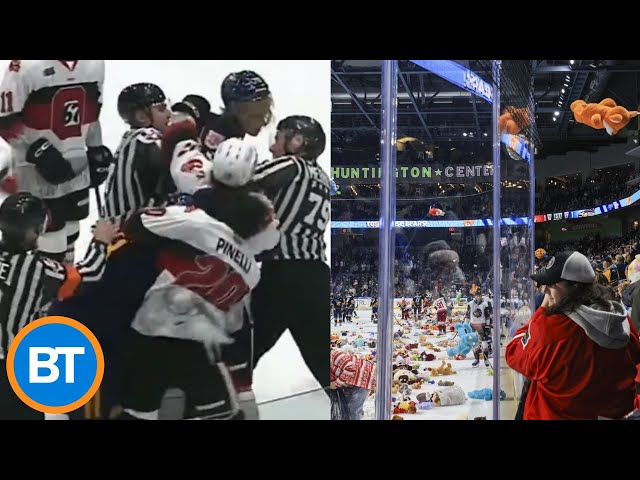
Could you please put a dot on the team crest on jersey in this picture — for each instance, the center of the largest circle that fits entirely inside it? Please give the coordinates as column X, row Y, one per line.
column 14, row 66
column 49, row 72
column 213, row 139
column 477, row 313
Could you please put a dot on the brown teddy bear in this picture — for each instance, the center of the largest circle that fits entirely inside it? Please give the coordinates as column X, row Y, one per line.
column 604, row 115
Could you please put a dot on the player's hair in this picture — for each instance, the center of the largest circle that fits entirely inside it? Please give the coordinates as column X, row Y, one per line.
column 244, row 211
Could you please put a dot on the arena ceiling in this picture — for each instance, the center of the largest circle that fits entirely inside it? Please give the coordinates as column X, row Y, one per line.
column 434, row 110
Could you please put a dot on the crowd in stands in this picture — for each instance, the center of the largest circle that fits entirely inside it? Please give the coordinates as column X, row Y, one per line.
column 459, row 201
column 601, row 188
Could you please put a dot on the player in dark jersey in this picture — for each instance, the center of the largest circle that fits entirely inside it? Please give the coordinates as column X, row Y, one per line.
column 247, row 109
column 294, row 288
column 29, row 281
column 416, row 306
column 337, row 310
column 139, row 176
column 350, row 306
column 374, row 310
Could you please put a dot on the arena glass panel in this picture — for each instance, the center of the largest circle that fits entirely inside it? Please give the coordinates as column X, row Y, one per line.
column 443, row 249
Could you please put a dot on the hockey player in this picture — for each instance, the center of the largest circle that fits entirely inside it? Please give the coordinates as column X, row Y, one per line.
column 204, row 297
column 295, row 277
column 374, row 309
column 247, row 109
column 337, row 310
column 416, row 306
column 29, row 281
column 191, row 171
column 139, row 176
column 195, row 304
column 49, row 114
column 479, row 314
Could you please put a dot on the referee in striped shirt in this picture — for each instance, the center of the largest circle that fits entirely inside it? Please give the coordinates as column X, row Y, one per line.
column 139, row 177
column 29, row 281
column 294, row 290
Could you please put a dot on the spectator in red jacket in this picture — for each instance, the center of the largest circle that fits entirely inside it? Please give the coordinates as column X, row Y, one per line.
column 576, row 349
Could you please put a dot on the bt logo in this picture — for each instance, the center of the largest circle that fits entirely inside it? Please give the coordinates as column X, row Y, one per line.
column 55, row 365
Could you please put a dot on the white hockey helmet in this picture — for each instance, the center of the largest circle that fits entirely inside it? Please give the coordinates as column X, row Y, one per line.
column 234, row 162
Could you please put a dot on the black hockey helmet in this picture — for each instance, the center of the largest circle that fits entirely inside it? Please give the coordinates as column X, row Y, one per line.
column 244, row 86
column 137, row 97
column 20, row 213
column 310, row 130
column 196, row 106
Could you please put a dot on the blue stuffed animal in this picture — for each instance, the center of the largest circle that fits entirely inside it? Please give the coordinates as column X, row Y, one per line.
column 468, row 339
column 486, row 394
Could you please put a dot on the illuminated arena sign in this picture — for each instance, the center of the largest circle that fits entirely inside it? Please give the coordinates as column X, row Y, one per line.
column 487, row 222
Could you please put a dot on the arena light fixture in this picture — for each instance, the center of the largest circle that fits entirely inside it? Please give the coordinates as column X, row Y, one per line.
column 571, row 62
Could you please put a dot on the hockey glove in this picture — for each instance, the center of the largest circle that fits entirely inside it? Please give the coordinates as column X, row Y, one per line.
column 49, row 162
column 100, row 158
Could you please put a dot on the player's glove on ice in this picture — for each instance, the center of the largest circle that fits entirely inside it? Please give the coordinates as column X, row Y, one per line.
column 49, row 162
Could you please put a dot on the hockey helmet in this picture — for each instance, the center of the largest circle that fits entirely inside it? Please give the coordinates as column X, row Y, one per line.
column 20, row 213
column 310, row 129
column 234, row 162
column 196, row 106
column 139, row 96
column 244, row 86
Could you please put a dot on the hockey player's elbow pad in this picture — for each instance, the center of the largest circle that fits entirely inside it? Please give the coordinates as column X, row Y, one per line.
column 49, row 162
column 100, row 159
column 176, row 133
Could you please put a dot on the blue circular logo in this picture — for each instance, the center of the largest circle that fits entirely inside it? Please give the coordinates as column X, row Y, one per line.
column 55, row 365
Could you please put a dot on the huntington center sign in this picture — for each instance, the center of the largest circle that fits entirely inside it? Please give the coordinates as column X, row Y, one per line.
column 414, row 174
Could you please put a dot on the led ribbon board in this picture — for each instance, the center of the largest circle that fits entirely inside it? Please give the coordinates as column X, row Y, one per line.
column 487, row 222
column 458, row 75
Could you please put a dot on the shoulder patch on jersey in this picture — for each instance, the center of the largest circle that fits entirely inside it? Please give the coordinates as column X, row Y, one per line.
column 15, row 66
column 213, row 139
column 550, row 263
column 148, row 135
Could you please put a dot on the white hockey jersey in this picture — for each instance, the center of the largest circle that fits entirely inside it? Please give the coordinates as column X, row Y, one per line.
column 200, row 297
column 59, row 100
column 479, row 311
